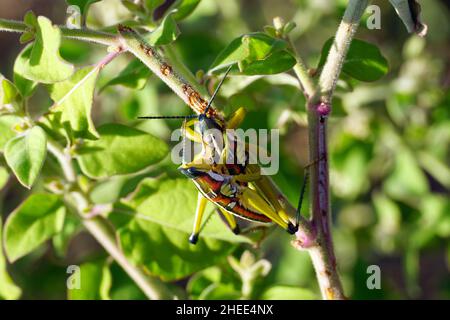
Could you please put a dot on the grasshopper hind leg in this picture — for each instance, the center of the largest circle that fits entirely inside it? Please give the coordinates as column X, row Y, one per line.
column 201, row 205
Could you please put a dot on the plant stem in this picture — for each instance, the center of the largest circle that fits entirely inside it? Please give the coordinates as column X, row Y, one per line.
column 301, row 71
column 82, row 34
column 152, row 287
column 100, row 229
column 187, row 91
column 319, row 106
column 338, row 51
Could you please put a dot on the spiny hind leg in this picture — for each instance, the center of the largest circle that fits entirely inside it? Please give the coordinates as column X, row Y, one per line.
column 252, row 200
column 264, row 187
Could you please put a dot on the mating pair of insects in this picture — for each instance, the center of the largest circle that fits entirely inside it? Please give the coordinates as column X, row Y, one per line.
column 237, row 189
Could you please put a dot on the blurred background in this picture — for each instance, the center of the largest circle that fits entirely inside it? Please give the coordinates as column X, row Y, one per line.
column 389, row 141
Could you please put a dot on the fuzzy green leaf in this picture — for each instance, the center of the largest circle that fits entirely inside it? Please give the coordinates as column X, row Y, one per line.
column 73, row 99
column 8, row 290
column 166, row 32
column 10, row 99
column 134, row 76
column 25, row 155
column 156, row 233
column 7, row 124
column 120, row 150
column 363, row 62
column 26, row 87
column 256, row 53
column 62, row 240
column 36, row 220
column 43, row 63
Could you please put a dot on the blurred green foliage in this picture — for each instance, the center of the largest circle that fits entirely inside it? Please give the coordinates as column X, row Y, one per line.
column 389, row 157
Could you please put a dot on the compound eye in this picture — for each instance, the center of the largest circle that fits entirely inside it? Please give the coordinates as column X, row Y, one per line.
column 190, row 172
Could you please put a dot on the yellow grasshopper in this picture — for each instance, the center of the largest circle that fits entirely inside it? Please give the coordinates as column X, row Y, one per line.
column 237, row 189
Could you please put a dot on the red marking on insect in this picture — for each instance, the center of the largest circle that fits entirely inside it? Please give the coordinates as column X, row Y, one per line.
column 212, row 187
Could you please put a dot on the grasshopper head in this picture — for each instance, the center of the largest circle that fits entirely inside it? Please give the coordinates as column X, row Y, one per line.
column 191, row 172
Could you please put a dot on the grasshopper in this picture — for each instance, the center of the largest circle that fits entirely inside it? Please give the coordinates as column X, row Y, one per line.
column 236, row 189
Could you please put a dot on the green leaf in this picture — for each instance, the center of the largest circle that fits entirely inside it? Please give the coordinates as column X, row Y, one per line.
column 10, row 99
column 36, row 220
column 185, row 8
column 363, row 62
column 30, row 19
column 407, row 180
column 256, row 53
column 25, row 155
column 288, row 293
column 134, row 76
column 155, row 228
column 172, row 202
column 166, row 32
column 8, row 290
column 26, row 87
column 120, row 150
column 95, row 282
column 7, row 124
column 43, row 63
column 73, row 99
column 62, row 240
column 82, row 4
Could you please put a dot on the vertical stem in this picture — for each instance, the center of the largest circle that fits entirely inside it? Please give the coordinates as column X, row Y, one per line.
column 322, row 253
column 338, row 51
column 319, row 106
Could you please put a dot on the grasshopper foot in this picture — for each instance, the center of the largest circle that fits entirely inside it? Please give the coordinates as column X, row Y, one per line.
column 292, row 229
column 193, row 238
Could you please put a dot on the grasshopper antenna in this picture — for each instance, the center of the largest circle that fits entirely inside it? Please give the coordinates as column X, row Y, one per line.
column 169, row 117
column 217, row 90
column 302, row 194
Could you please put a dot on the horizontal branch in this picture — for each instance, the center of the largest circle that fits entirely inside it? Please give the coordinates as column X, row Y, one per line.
column 82, row 34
